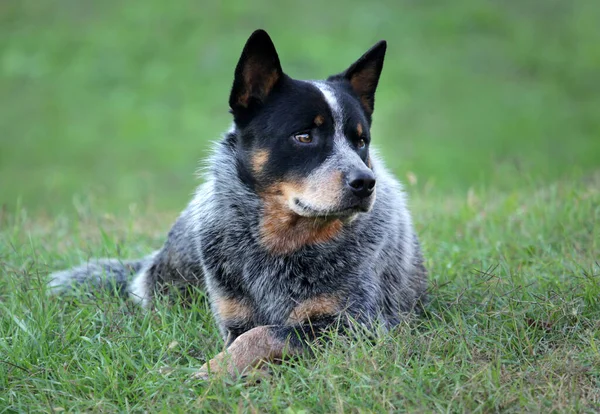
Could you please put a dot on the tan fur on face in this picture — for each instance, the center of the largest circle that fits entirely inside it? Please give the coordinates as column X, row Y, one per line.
column 319, row 120
column 232, row 309
column 248, row 351
column 259, row 160
column 321, row 191
column 313, row 308
column 283, row 231
column 359, row 129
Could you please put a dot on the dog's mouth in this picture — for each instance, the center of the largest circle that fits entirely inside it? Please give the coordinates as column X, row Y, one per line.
column 305, row 210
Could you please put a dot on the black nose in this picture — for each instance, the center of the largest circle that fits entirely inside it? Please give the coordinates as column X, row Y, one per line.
column 362, row 183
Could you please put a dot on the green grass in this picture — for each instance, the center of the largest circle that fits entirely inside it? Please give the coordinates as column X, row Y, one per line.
column 493, row 107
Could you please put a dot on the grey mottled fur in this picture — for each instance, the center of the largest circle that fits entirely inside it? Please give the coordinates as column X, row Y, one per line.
column 374, row 264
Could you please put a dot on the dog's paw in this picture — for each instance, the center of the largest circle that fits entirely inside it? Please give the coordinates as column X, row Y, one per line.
column 216, row 369
column 201, row 375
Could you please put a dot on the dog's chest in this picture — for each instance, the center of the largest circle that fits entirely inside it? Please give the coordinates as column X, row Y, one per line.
column 273, row 287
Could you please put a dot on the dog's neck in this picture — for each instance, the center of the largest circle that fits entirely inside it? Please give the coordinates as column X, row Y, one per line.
column 283, row 232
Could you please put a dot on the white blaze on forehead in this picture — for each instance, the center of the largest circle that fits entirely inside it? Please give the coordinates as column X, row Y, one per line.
column 343, row 153
column 334, row 105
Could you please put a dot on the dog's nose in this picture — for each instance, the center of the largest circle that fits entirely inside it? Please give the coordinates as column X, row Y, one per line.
column 362, row 183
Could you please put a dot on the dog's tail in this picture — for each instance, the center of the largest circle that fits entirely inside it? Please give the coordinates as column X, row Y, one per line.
column 112, row 275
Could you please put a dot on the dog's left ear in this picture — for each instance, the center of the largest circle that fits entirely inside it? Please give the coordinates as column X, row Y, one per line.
column 363, row 75
column 256, row 73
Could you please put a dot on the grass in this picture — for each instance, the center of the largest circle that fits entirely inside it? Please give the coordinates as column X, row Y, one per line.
column 488, row 110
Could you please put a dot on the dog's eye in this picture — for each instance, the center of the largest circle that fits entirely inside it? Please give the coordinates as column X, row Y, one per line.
column 304, row 138
column 361, row 143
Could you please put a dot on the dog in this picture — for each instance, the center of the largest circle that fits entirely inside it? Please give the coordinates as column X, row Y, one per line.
column 298, row 228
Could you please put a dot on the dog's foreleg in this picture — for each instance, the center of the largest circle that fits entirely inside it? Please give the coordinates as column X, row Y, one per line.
column 262, row 344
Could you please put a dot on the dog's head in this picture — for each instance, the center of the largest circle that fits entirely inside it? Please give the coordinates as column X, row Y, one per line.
column 304, row 145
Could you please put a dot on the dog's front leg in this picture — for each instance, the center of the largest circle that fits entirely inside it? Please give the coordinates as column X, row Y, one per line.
column 248, row 351
column 261, row 344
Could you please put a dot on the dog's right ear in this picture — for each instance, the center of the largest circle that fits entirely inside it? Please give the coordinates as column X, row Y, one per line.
column 256, row 73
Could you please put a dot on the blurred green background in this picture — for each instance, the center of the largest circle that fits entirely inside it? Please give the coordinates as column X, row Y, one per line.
column 118, row 100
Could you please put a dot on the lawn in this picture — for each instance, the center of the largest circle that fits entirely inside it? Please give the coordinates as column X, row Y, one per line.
column 489, row 111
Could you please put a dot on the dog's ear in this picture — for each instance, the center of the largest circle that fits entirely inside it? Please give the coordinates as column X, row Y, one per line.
column 363, row 75
column 256, row 73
